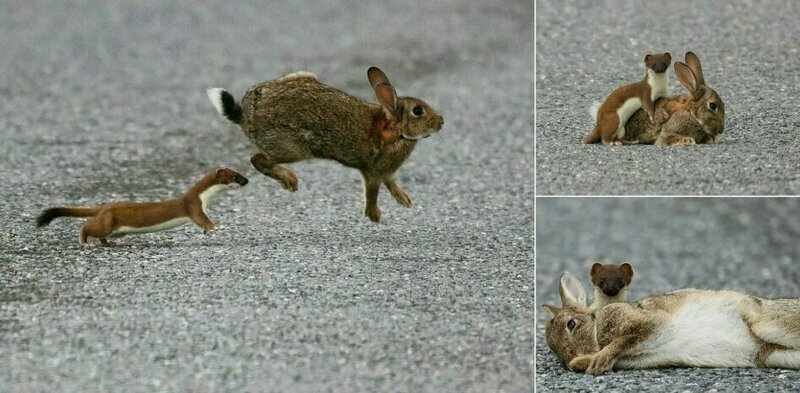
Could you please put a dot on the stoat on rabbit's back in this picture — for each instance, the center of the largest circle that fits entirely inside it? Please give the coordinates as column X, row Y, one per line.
column 623, row 102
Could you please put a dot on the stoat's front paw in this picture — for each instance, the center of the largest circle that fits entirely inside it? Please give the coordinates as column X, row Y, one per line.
column 212, row 229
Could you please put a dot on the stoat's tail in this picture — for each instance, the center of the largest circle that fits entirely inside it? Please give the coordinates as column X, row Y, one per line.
column 226, row 105
column 55, row 212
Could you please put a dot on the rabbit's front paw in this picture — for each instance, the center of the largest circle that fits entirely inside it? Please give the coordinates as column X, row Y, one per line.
column 373, row 213
column 580, row 363
column 686, row 141
column 600, row 362
column 711, row 139
column 288, row 180
column 402, row 197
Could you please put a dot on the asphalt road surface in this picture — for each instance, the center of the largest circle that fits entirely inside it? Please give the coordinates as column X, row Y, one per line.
column 586, row 49
column 746, row 244
column 105, row 101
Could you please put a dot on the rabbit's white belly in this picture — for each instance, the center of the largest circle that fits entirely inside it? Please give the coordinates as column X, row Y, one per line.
column 624, row 112
column 706, row 332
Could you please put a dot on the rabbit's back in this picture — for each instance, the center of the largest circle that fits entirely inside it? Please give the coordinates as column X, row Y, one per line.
column 303, row 112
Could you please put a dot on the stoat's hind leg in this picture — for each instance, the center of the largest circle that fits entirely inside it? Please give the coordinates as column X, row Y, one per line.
column 100, row 226
column 105, row 242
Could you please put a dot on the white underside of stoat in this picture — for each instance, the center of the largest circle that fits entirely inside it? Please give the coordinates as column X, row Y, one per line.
column 600, row 300
column 659, row 87
column 206, row 197
column 706, row 332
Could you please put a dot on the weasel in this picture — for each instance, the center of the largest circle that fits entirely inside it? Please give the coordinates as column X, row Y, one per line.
column 626, row 100
column 123, row 218
column 610, row 283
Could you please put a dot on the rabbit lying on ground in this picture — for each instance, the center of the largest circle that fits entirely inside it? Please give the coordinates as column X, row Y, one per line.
column 684, row 328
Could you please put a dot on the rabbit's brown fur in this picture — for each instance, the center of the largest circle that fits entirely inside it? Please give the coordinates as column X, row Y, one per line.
column 296, row 117
column 688, row 328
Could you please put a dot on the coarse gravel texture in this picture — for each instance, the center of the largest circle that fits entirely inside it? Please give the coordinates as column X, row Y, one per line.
column 745, row 244
column 585, row 49
column 104, row 101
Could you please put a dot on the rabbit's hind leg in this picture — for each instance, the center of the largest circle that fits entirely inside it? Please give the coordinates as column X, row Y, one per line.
column 675, row 139
column 784, row 331
column 772, row 355
column 268, row 164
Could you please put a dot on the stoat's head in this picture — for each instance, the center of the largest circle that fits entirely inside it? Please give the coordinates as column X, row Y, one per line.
column 658, row 62
column 611, row 278
column 229, row 177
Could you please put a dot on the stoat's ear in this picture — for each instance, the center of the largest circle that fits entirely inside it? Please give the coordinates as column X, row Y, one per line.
column 596, row 268
column 220, row 173
column 627, row 270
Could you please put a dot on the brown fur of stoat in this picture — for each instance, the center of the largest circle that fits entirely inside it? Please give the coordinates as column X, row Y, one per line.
column 623, row 102
column 123, row 218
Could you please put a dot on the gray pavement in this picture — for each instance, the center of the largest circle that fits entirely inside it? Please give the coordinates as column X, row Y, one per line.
column 585, row 49
column 104, row 101
column 746, row 244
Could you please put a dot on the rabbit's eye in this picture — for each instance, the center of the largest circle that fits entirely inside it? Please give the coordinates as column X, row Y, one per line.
column 418, row 111
column 712, row 106
column 571, row 324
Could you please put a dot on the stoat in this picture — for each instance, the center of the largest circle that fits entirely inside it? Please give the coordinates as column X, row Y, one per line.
column 610, row 283
column 626, row 100
column 124, row 218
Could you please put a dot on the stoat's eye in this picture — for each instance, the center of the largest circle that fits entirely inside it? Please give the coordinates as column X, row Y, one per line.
column 571, row 324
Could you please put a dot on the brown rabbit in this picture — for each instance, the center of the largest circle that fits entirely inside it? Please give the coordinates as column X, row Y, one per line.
column 684, row 328
column 679, row 120
column 296, row 117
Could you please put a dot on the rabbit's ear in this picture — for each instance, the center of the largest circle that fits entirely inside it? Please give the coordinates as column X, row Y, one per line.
column 571, row 290
column 694, row 64
column 383, row 88
column 386, row 96
column 687, row 77
column 552, row 310
column 377, row 77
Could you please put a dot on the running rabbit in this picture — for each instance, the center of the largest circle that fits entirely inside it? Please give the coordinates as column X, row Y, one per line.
column 296, row 117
